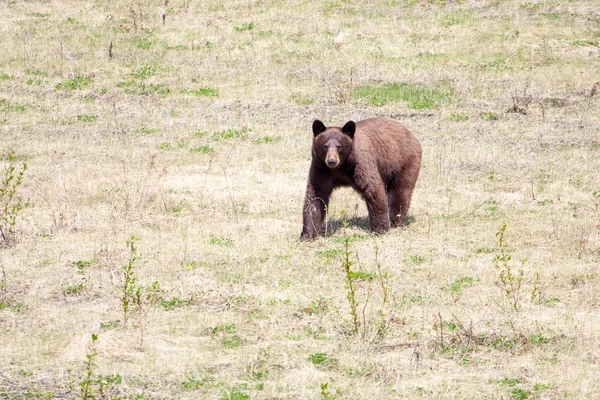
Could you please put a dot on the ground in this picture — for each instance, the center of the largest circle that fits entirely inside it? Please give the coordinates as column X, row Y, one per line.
column 194, row 135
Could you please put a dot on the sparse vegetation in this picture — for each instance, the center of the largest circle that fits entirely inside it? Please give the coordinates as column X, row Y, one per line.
column 188, row 123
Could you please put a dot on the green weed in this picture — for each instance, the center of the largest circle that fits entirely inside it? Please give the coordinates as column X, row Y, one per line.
column 7, row 106
column 318, row 358
column 173, row 303
column 510, row 278
column 205, row 91
column 86, row 385
column 350, row 284
column 246, row 26
column 206, row 149
column 459, row 284
column 488, row 116
column 231, row 134
column 87, row 118
column 220, row 241
column 415, row 259
column 11, row 203
column 538, row 338
column 129, row 290
column 266, row 139
column 459, row 117
column 519, row 394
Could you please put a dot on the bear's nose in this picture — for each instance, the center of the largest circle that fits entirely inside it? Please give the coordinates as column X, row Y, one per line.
column 332, row 162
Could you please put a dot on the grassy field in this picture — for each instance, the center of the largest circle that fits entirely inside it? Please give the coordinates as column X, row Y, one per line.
column 167, row 160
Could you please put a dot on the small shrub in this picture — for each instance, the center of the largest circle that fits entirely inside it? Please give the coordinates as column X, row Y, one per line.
column 11, row 203
column 510, row 278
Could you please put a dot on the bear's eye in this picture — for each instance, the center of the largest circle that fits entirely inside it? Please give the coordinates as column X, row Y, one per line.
column 339, row 148
column 325, row 147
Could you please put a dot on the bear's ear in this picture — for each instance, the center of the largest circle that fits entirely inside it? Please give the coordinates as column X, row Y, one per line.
column 318, row 127
column 349, row 128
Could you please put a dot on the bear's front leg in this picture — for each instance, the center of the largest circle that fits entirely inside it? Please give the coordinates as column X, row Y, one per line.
column 314, row 210
column 377, row 206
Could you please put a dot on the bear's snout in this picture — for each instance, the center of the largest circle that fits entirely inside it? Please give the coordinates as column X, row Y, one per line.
column 333, row 160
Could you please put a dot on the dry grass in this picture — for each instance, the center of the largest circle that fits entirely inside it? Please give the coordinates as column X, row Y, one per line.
column 195, row 137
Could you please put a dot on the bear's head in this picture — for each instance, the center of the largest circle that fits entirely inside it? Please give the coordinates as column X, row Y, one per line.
column 333, row 145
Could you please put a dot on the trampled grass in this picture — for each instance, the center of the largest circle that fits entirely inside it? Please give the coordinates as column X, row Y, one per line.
column 194, row 136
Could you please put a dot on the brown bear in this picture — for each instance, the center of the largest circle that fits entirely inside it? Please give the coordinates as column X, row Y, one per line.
column 378, row 157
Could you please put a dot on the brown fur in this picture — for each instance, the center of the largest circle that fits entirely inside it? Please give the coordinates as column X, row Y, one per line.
column 377, row 157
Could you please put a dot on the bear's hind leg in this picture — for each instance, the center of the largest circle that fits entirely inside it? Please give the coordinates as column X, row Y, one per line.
column 400, row 194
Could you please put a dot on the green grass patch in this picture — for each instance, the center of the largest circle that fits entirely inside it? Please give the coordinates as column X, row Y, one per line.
column 417, row 96
column 77, row 83
column 318, row 358
column 220, row 241
column 204, row 91
column 458, row 284
column 87, row 118
column 225, row 328
column 363, row 275
column 231, row 134
column 266, row 139
column 143, row 72
column 206, row 149
column 6, row 105
column 246, row 26
column 488, row 116
column 173, row 303
column 459, row 117
column 140, row 88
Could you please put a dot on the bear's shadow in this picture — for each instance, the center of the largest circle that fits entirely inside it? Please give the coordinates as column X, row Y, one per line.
column 337, row 224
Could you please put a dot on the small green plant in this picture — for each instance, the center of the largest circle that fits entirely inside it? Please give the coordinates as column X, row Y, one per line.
column 538, row 338
column 206, row 149
column 129, row 290
column 78, row 82
column 87, row 118
column 519, row 394
column 326, row 394
column 350, row 284
column 510, row 278
column 459, row 117
column 86, row 385
column 266, row 139
column 458, row 284
column 143, row 72
column 488, row 116
column 6, row 106
column 246, row 26
column 318, row 358
column 231, row 134
column 220, row 241
column 504, row 343
column 205, row 91
column 10, row 202
column 415, row 259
